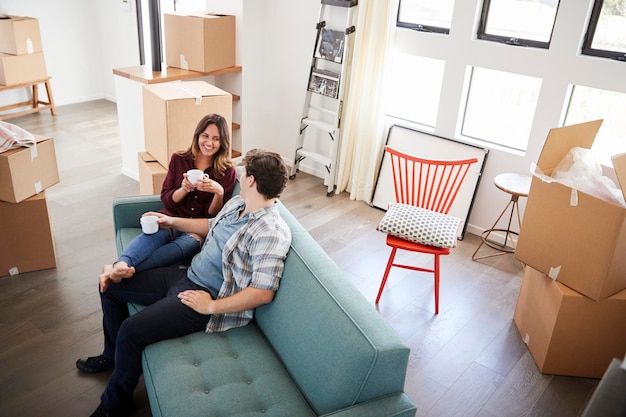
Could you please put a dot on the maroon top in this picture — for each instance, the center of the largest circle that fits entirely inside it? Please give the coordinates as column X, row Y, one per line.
column 195, row 203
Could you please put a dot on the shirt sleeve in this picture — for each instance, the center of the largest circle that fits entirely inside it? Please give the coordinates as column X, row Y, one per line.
column 172, row 181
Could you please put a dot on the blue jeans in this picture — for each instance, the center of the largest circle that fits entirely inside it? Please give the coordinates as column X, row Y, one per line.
column 126, row 336
column 163, row 248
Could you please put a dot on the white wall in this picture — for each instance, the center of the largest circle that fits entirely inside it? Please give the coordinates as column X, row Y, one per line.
column 84, row 40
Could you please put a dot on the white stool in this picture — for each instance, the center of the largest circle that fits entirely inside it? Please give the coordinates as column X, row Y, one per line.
column 517, row 185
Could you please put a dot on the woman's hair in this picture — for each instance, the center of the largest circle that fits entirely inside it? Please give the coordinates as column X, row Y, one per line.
column 269, row 171
column 221, row 160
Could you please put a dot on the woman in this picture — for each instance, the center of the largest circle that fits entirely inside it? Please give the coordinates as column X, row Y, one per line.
column 209, row 152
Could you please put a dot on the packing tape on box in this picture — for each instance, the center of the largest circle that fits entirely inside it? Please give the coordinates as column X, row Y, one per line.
column 554, row 272
column 38, row 187
column 183, row 62
column 29, row 46
column 197, row 95
column 573, row 197
column 33, row 152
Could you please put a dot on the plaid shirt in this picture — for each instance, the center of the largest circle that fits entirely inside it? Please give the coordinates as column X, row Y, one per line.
column 253, row 257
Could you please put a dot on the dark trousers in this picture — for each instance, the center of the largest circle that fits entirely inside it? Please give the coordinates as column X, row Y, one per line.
column 125, row 336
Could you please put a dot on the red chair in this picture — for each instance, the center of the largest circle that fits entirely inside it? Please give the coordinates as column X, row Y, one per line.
column 428, row 184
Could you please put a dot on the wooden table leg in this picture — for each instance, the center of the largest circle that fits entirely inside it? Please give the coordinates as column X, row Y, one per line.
column 35, row 96
column 53, row 108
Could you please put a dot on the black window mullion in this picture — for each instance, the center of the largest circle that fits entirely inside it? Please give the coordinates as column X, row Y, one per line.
column 587, row 48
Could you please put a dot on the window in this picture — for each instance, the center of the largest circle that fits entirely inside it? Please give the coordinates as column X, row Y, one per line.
column 606, row 34
column 500, row 107
column 587, row 104
column 518, row 22
column 426, row 15
column 415, row 87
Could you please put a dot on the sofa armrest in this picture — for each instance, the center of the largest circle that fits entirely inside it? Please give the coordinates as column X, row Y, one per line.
column 398, row 405
column 128, row 210
column 126, row 214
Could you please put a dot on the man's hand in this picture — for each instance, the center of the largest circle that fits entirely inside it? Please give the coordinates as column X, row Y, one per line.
column 246, row 299
column 164, row 221
column 200, row 301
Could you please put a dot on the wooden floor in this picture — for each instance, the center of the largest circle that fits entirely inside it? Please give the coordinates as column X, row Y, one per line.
column 467, row 361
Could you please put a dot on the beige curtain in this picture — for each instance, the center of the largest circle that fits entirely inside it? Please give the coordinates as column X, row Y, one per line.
column 362, row 135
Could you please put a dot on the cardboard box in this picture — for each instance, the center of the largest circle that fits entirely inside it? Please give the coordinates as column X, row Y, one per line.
column 27, row 243
column 18, row 69
column 200, row 41
column 151, row 174
column 579, row 243
column 172, row 111
column 566, row 332
column 25, row 172
column 19, row 35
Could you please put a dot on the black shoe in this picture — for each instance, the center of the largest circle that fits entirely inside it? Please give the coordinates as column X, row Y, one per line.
column 102, row 411
column 95, row 364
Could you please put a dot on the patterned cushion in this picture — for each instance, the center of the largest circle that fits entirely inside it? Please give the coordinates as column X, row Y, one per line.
column 420, row 225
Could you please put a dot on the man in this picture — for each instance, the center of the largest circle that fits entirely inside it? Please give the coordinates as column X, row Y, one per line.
column 237, row 270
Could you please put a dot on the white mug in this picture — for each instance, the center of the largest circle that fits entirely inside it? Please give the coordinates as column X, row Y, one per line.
column 195, row 175
column 149, row 224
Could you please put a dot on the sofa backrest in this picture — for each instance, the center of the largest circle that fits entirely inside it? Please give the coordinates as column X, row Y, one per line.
column 333, row 342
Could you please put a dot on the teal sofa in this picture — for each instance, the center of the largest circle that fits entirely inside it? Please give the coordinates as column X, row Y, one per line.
column 318, row 349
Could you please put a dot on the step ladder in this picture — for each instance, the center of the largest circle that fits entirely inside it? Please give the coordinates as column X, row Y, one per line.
column 320, row 125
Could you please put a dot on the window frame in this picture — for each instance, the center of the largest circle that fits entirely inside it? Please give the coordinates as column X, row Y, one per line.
column 591, row 31
column 463, row 114
column 507, row 40
column 419, row 27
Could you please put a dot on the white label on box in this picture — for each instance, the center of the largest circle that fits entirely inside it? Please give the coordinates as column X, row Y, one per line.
column 29, row 46
column 14, row 271
column 554, row 272
column 38, row 187
column 526, row 338
column 33, row 152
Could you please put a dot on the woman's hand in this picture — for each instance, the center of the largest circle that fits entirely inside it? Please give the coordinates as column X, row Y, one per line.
column 199, row 301
column 207, row 185
column 186, row 185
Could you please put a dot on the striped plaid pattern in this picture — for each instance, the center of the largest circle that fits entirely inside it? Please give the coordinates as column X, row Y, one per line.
column 253, row 257
column 12, row 136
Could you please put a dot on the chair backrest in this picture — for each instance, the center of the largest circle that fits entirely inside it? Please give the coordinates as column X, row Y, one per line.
column 427, row 183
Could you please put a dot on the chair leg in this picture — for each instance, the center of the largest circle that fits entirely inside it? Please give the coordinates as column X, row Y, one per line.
column 387, row 269
column 436, row 284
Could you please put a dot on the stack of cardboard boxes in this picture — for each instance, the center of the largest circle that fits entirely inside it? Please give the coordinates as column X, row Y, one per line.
column 21, row 53
column 571, row 310
column 202, row 42
column 27, row 243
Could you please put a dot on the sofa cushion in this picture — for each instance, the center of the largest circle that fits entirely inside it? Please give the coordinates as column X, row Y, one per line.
column 314, row 304
column 235, row 373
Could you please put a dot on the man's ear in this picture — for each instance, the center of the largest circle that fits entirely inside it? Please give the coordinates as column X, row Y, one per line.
column 251, row 180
